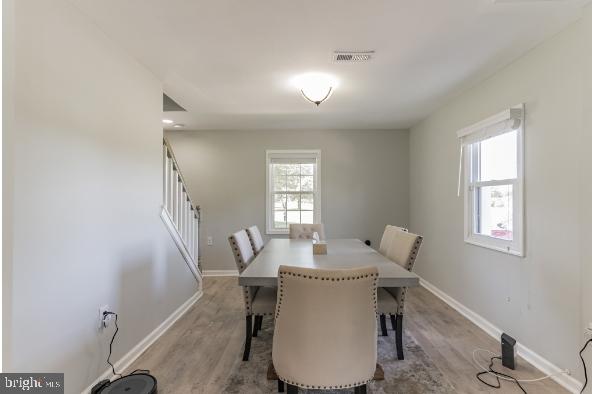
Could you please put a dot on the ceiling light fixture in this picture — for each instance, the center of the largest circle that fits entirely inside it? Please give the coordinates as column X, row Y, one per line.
column 315, row 87
column 167, row 121
column 178, row 125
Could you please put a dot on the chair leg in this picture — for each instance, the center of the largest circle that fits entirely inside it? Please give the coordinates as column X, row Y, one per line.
column 360, row 389
column 249, row 333
column 260, row 322
column 280, row 386
column 292, row 389
column 394, row 322
column 399, row 337
column 383, row 325
column 257, row 325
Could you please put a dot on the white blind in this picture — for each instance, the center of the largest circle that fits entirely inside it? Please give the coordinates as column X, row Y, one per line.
column 503, row 122
column 495, row 125
column 293, row 161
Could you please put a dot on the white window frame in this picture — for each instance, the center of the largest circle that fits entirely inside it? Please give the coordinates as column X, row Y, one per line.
column 504, row 122
column 291, row 154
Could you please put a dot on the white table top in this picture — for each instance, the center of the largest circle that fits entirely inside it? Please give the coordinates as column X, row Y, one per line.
column 341, row 253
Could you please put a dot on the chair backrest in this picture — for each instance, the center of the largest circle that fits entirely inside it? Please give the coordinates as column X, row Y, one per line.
column 241, row 249
column 305, row 231
column 255, row 238
column 243, row 255
column 403, row 248
column 325, row 329
column 387, row 236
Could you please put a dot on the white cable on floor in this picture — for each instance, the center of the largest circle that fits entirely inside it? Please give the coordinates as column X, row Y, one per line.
column 505, row 378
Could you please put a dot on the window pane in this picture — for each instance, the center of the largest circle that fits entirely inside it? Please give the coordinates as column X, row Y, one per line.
column 307, row 217
column 279, row 203
column 293, row 169
column 293, row 201
column 293, row 216
column 494, row 211
column 279, row 183
column 307, row 169
column 307, row 183
column 279, row 219
column 307, row 202
column 497, row 157
column 293, row 183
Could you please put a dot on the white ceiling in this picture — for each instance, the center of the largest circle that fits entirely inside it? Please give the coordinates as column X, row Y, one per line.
column 229, row 62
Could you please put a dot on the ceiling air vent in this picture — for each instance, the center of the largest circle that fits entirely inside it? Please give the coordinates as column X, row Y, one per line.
column 352, row 56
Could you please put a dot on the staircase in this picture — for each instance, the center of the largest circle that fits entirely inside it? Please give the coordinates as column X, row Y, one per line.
column 180, row 215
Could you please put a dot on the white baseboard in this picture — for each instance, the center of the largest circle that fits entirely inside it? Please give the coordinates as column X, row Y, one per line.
column 123, row 363
column 220, row 273
column 568, row 382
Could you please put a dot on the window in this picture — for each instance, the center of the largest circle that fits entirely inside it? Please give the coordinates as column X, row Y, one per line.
column 293, row 189
column 493, row 162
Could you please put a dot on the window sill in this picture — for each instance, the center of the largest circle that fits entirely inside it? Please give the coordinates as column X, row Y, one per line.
column 277, row 232
column 496, row 248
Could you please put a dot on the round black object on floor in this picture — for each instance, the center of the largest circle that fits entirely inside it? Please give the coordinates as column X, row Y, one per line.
column 139, row 383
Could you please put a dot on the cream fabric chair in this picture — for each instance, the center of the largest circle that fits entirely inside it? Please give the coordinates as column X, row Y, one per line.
column 387, row 237
column 256, row 239
column 325, row 328
column 402, row 250
column 259, row 301
column 305, row 231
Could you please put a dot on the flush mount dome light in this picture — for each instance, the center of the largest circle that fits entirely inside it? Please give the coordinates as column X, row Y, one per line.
column 167, row 121
column 315, row 87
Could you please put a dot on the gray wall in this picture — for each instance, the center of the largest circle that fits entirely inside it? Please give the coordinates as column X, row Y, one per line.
column 549, row 290
column 364, row 181
column 86, row 138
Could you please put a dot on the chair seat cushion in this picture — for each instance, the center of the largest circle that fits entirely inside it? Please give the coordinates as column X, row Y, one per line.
column 387, row 301
column 264, row 301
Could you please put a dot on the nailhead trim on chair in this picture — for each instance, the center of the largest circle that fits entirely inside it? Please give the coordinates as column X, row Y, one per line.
column 240, row 264
column 279, row 304
column 408, row 267
column 252, row 241
column 307, row 386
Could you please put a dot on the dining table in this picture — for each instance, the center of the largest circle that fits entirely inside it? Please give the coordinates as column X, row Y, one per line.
column 341, row 254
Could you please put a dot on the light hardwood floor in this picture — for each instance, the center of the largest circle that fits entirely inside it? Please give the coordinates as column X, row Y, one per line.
column 196, row 353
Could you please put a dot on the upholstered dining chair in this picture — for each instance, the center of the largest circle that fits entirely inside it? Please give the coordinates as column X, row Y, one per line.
column 256, row 239
column 306, row 231
column 325, row 328
column 259, row 301
column 387, row 237
column 402, row 250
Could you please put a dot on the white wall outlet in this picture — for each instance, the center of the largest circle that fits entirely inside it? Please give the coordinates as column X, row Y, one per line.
column 210, row 241
column 105, row 321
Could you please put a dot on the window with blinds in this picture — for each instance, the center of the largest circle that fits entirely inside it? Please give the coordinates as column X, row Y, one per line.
column 293, row 189
column 494, row 181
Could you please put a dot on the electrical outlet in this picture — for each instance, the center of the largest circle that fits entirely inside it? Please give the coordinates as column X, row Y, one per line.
column 210, row 241
column 589, row 331
column 104, row 321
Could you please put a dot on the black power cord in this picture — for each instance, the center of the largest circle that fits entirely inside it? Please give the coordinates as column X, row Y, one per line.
column 101, row 385
column 584, row 364
column 145, row 371
column 105, row 314
column 499, row 384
